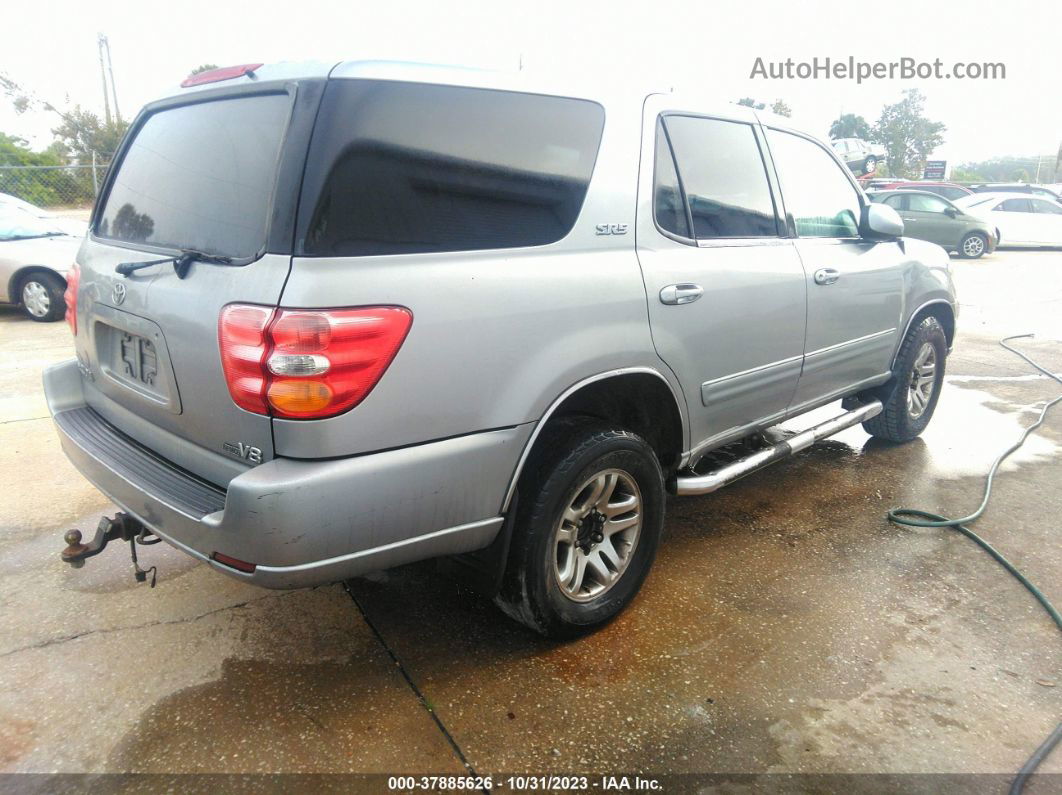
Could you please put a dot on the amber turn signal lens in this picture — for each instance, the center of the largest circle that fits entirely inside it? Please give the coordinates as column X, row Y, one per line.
column 294, row 397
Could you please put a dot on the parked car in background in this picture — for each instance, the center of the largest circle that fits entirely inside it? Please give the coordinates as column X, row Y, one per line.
column 949, row 190
column 70, row 226
column 376, row 341
column 1017, row 187
column 1021, row 220
column 928, row 216
column 34, row 258
column 859, row 155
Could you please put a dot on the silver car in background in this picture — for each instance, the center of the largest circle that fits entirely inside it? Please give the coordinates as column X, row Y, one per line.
column 335, row 318
column 35, row 256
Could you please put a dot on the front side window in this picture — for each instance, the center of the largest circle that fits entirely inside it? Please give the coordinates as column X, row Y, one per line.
column 816, row 190
column 403, row 168
column 1015, row 206
column 926, row 204
column 199, row 176
column 724, row 177
column 895, row 201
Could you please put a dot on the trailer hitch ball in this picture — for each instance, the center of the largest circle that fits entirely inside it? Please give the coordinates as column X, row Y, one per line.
column 74, row 549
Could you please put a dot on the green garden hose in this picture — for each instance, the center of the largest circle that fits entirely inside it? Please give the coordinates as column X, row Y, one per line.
column 912, row 517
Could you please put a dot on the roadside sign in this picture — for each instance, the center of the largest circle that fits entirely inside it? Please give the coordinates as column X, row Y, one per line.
column 935, row 169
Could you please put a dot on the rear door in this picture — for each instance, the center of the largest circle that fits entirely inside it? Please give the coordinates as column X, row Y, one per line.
column 1047, row 217
column 196, row 173
column 1016, row 221
column 855, row 287
column 725, row 287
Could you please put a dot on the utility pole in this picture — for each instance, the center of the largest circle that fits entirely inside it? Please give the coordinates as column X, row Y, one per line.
column 110, row 72
column 100, row 39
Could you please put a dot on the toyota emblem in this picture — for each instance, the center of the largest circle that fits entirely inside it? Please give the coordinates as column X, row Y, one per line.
column 118, row 293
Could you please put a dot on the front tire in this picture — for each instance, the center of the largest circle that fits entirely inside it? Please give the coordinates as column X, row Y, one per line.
column 973, row 245
column 587, row 529
column 917, row 378
column 870, row 165
column 41, row 294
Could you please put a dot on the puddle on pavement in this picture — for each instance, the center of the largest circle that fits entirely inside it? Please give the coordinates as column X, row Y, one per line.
column 260, row 717
column 972, row 427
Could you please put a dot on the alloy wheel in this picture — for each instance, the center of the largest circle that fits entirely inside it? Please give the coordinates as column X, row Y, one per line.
column 595, row 538
column 973, row 246
column 922, row 381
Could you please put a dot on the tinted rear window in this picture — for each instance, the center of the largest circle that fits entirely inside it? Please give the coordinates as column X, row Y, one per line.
column 724, row 177
column 399, row 168
column 200, row 177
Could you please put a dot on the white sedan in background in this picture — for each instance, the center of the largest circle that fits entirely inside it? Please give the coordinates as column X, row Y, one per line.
column 1021, row 220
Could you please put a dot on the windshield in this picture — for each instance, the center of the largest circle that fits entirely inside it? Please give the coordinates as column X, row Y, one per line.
column 17, row 224
column 199, row 177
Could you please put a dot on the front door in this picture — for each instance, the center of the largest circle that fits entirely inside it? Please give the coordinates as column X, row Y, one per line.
column 926, row 217
column 855, row 286
column 726, row 289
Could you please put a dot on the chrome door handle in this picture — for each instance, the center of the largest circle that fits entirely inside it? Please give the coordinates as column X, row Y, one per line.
column 826, row 276
column 684, row 293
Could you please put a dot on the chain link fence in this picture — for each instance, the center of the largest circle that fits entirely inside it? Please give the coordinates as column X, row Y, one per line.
column 55, row 186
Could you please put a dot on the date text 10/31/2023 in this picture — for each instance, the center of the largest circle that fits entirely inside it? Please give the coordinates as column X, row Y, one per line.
column 617, row 783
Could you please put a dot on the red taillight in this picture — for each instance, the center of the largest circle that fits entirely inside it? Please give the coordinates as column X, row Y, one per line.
column 307, row 364
column 215, row 75
column 241, row 334
column 73, row 280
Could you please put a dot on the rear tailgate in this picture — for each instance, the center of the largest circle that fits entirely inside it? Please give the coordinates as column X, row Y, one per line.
column 151, row 365
column 198, row 173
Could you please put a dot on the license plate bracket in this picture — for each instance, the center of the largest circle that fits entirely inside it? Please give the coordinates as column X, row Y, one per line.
column 131, row 353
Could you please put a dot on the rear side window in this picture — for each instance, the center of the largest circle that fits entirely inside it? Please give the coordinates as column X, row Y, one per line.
column 1046, row 207
column 724, row 177
column 401, row 168
column 816, row 190
column 199, row 176
column 669, row 204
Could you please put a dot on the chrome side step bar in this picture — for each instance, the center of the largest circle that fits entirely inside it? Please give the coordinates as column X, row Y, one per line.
column 686, row 485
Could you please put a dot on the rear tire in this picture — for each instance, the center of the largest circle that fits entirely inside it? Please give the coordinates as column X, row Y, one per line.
column 587, row 528
column 41, row 296
column 917, row 379
column 870, row 165
column 973, row 245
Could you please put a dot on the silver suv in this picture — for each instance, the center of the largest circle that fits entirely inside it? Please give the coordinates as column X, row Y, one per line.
column 334, row 319
column 859, row 155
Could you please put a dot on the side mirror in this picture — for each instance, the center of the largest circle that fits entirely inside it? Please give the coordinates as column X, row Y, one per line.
column 951, row 212
column 880, row 222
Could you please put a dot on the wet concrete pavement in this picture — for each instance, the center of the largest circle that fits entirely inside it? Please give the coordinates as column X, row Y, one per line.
column 786, row 626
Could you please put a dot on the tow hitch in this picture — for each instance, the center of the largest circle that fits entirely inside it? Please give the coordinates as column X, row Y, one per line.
column 122, row 527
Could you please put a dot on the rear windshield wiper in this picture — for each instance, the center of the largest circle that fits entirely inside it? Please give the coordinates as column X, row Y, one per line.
column 181, row 262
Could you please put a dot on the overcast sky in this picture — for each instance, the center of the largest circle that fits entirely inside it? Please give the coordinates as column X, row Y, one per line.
column 50, row 47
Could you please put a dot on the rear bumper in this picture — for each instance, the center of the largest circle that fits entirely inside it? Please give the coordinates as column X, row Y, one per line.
column 300, row 522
